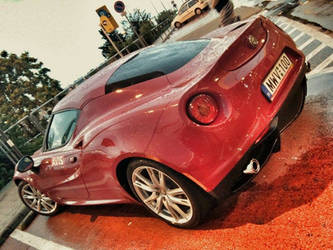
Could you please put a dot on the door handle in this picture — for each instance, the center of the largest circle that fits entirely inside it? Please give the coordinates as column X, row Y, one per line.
column 73, row 159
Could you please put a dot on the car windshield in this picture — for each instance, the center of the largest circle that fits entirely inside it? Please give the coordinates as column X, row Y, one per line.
column 191, row 3
column 61, row 128
column 182, row 9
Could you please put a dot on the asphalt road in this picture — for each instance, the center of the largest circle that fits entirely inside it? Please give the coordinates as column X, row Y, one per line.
column 288, row 206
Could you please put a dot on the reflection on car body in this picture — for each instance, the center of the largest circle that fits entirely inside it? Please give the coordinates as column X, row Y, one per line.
column 187, row 10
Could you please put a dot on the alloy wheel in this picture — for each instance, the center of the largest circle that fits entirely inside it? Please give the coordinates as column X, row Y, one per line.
column 162, row 195
column 37, row 201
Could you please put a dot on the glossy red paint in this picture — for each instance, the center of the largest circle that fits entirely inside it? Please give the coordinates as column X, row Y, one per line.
column 149, row 119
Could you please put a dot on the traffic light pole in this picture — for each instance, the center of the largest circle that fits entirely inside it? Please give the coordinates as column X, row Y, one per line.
column 112, row 43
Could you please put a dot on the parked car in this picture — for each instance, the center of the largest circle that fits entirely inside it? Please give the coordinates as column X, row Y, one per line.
column 177, row 127
column 187, row 10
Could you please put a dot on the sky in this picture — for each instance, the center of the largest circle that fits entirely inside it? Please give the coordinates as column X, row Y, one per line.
column 63, row 34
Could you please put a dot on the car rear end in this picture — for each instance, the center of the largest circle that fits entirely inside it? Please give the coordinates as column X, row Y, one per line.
column 255, row 89
column 275, row 70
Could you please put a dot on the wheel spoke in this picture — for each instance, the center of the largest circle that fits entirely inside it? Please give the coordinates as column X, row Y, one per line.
column 33, row 190
column 27, row 192
column 180, row 201
column 144, row 187
column 45, row 206
column 170, row 209
column 162, row 179
column 38, row 205
column 178, row 209
column 152, row 197
column 47, row 203
column 30, row 197
column 158, row 207
column 153, row 176
column 143, row 179
column 33, row 203
column 175, row 192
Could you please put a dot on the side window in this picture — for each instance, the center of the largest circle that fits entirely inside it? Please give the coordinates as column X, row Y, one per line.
column 61, row 129
column 191, row 3
column 182, row 9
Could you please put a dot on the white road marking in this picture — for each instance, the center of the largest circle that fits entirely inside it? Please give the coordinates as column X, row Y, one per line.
column 36, row 242
column 298, row 36
column 310, row 40
column 322, row 65
column 315, row 51
column 291, row 31
column 314, row 34
column 309, row 30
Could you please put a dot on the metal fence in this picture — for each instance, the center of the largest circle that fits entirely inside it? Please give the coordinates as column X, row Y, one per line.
column 30, row 129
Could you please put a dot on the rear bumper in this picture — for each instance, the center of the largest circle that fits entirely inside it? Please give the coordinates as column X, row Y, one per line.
column 269, row 144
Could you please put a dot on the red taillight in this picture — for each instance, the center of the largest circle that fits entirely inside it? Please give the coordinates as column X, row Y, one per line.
column 202, row 109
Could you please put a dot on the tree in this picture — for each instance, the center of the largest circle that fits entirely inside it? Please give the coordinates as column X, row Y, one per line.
column 24, row 85
column 107, row 49
column 166, row 16
column 141, row 22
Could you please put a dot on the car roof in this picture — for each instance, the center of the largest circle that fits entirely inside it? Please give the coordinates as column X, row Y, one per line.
column 91, row 88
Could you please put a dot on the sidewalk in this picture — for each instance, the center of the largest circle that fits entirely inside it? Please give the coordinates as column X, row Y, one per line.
column 12, row 210
column 316, row 11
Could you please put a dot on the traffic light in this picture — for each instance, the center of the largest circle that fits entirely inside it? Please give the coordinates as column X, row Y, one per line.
column 107, row 21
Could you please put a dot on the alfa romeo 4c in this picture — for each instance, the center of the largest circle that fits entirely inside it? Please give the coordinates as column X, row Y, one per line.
column 177, row 127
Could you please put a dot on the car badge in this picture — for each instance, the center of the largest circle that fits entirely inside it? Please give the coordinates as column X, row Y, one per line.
column 252, row 42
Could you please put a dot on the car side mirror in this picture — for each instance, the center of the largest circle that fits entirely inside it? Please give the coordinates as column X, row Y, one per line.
column 26, row 163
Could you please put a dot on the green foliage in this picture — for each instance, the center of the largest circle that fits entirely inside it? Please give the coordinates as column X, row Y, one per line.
column 166, row 16
column 142, row 22
column 24, row 85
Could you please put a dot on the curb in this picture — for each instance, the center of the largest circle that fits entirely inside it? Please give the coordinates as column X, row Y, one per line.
column 4, row 234
column 28, row 219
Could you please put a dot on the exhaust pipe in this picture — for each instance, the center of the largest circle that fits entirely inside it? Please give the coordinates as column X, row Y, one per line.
column 253, row 167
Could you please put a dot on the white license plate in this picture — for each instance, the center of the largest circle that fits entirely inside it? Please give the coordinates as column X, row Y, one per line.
column 274, row 79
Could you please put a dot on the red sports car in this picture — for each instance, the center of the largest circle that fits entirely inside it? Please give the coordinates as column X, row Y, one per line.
column 177, row 127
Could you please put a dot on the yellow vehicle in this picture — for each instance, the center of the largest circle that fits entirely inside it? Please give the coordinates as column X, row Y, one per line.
column 189, row 9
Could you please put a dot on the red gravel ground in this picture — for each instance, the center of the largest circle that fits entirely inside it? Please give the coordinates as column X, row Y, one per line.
column 289, row 205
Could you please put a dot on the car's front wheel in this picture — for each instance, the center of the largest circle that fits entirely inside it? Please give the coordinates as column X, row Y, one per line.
column 167, row 194
column 36, row 201
column 198, row 11
column 178, row 25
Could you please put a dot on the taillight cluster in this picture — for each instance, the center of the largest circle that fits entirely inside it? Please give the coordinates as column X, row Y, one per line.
column 202, row 109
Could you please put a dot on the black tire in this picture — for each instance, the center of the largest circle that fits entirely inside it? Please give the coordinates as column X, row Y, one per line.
column 179, row 202
column 178, row 25
column 44, row 202
column 198, row 11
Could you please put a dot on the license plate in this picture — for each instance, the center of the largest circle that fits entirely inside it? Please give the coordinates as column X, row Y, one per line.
column 274, row 79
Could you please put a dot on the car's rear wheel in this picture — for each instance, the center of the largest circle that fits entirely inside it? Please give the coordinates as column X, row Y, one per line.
column 178, row 25
column 167, row 194
column 37, row 201
column 198, row 11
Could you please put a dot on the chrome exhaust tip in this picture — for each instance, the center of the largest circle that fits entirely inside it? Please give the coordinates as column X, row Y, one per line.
column 253, row 167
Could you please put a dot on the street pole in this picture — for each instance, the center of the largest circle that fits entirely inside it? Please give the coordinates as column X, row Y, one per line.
column 163, row 6
column 136, row 33
column 122, row 43
column 112, row 43
column 154, row 8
